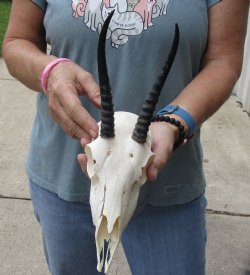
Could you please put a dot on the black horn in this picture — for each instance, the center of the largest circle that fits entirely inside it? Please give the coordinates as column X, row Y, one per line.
column 148, row 108
column 107, row 109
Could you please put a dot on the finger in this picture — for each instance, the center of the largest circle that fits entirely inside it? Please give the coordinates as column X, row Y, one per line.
column 84, row 142
column 77, row 113
column 90, row 88
column 59, row 115
column 82, row 158
column 151, row 172
column 159, row 161
column 161, row 155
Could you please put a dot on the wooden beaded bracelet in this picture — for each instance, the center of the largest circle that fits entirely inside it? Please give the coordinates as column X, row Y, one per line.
column 176, row 123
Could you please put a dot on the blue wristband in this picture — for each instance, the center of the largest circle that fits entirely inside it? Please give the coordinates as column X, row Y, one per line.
column 175, row 109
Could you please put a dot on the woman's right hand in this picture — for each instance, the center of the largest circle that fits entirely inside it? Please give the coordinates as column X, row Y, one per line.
column 65, row 83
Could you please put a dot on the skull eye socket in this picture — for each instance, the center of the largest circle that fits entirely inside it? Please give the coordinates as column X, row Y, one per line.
column 94, row 161
column 131, row 155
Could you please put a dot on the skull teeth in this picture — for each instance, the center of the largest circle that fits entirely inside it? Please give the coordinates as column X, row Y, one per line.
column 106, row 243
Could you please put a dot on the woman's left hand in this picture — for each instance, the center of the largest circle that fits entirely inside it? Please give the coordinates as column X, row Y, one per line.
column 164, row 136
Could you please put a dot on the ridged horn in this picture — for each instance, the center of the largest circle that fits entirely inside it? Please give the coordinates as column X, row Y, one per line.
column 148, row 108
column 107, row 109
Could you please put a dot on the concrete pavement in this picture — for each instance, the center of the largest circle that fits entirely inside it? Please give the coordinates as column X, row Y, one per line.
column 227, row 166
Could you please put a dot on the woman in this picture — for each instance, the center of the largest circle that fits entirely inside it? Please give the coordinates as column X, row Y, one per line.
column 168, row 235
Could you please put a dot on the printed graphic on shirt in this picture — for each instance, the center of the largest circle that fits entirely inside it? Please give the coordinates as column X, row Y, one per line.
column 131, row 17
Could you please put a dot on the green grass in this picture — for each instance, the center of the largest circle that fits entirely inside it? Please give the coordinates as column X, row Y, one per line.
column 4, row 17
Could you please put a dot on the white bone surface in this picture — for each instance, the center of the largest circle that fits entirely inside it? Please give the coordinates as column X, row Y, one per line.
column 117, row 169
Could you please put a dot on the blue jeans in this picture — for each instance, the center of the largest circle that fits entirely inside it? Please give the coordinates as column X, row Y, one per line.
column 158, row 241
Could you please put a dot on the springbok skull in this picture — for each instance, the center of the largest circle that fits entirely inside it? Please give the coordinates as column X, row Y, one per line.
column 117, row 160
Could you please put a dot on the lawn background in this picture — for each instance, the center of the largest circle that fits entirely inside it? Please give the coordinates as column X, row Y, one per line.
column 4, row 17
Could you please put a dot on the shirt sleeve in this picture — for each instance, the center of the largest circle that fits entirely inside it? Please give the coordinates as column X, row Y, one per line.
column 210, row 3
column 41, row 3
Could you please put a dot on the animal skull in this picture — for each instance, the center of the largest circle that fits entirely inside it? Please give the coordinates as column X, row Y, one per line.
column 117, row 169
column 117, row 160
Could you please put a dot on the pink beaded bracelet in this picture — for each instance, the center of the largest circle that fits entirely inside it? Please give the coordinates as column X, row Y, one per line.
column 47, row 71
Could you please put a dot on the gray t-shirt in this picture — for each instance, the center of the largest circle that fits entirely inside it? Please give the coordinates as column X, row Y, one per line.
column 140, row 37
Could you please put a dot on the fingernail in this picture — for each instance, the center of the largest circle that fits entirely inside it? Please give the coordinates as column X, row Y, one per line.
column 84, row 142
column 93, row 133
